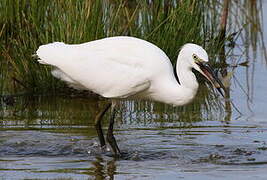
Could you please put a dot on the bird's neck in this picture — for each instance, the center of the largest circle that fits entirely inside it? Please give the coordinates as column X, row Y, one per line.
column 187, row 78
column 184, row 91
column 171, row 92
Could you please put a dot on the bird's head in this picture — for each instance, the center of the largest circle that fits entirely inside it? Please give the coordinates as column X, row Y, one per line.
column 198, row 59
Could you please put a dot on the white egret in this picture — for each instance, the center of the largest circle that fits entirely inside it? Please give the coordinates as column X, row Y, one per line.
column 127, row 67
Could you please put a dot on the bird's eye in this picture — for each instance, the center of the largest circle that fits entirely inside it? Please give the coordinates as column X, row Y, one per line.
column 195, row 57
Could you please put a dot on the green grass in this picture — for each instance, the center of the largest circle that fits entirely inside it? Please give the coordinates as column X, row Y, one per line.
column 26, row 24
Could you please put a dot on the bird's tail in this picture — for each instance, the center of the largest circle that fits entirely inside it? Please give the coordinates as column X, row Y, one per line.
column 50, row 53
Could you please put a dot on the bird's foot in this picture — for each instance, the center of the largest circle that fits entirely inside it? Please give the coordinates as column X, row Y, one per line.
column 104, row 148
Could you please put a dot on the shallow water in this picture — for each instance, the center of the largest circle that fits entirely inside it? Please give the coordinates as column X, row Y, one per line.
column 204, row 151
column 54, row 137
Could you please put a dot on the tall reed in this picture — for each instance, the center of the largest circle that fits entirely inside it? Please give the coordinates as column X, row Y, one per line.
column 26, row 24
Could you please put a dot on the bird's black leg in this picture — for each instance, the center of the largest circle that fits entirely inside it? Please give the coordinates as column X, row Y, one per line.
column 98, row 127
column 110, row 137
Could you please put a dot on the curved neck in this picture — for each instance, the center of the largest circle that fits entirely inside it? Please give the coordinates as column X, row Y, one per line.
column 185, row 75
column 169, row 91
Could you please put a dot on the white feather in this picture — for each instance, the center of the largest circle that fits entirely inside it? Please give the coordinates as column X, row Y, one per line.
column 64, row 77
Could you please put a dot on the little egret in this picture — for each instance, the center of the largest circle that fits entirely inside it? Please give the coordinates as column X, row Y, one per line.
column 127, row 67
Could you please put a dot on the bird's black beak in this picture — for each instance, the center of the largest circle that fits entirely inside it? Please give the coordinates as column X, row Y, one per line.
column 210, row 75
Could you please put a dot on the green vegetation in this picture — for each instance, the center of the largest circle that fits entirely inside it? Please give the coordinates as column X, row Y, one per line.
column 24, row 25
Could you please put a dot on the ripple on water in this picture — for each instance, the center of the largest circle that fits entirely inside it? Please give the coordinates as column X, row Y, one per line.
column 135, row 147
column 145, row 151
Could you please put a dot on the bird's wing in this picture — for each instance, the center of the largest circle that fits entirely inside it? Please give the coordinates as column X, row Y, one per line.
column 111, row 70
column 107, row 77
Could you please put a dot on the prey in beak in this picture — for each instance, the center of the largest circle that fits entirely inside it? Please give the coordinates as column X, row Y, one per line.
column 207, row 71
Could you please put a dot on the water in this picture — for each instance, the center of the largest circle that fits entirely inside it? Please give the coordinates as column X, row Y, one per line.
column 207, row 150
column 54, row 137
